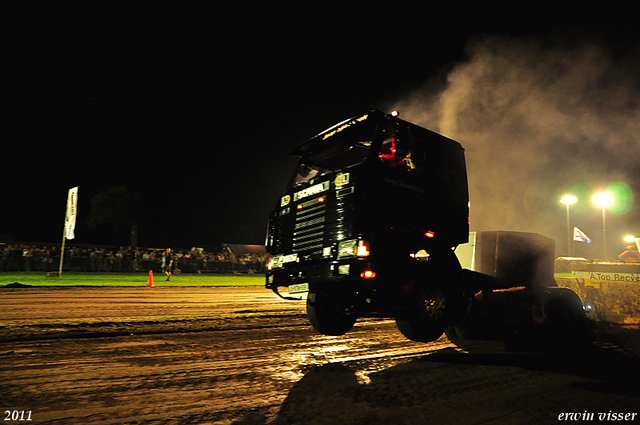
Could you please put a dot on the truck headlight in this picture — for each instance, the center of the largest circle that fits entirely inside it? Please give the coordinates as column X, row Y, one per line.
column 347, row 249
column 353, row 248
column 278, row 261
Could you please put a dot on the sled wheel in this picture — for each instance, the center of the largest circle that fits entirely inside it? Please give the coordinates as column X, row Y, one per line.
column 566, row 324
column 327, row 318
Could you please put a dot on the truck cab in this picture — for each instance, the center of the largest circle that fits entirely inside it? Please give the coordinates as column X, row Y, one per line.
column 367, row 226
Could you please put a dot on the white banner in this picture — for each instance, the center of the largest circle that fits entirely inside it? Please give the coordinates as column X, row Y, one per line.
column 70, row 217
column 606, row 276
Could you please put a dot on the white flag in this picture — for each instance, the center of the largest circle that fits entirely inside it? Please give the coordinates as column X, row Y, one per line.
column 580, row 236
column 70, row 217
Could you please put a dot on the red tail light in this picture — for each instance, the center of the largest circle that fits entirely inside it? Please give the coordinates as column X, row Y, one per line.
column 368, row 274
column 430, row 234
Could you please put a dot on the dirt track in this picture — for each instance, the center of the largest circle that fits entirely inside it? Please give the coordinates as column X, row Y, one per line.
column 243, row 356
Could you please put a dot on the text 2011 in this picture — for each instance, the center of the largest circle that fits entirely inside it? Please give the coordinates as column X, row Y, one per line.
column 17, row 415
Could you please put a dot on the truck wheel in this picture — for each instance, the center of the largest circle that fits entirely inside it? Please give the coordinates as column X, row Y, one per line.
column 425, row 306
column 326, row 317
column 425, row 315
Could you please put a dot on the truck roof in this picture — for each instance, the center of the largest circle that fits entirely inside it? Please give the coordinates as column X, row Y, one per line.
column 374, row 116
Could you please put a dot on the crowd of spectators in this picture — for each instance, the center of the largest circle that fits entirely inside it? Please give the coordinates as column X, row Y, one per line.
column 21, row 257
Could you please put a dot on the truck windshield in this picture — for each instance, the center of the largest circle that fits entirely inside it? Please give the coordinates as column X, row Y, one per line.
column 335, row 153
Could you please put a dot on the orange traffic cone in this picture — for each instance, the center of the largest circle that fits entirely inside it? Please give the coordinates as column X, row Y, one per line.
column 150, row 280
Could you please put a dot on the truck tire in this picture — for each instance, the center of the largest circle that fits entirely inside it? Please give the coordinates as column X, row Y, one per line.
column 426, row 314
column 326, row 317
column 428, row 303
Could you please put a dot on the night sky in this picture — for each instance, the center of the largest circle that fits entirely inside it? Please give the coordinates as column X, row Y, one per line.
column 195, row 105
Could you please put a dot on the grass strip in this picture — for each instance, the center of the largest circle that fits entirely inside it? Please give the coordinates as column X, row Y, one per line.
column 129, row 279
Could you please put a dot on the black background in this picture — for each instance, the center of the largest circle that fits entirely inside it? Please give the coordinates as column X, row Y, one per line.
column 196, row 104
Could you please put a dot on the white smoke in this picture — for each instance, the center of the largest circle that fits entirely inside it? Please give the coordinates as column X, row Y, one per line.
column 534, row 121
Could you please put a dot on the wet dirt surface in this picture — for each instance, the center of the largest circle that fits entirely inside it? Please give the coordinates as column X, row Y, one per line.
column 243, row 356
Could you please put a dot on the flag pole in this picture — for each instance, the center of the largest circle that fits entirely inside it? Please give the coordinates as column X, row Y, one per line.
column 64, row 234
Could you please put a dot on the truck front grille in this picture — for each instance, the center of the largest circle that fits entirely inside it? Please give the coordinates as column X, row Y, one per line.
column 308, row 231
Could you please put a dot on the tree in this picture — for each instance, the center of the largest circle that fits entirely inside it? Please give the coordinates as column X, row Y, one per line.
column 119, row 206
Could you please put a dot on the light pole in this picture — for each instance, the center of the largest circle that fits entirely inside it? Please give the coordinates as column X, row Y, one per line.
column 603, row 200
column 569, row 200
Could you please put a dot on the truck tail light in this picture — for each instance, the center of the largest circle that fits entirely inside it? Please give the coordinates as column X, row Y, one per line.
column 368, row 274
column 362, row 250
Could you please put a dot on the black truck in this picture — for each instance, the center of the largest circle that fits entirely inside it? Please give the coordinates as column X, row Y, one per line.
column 368, row 225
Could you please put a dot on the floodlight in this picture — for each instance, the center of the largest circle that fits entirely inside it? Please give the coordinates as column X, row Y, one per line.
column 603, row 199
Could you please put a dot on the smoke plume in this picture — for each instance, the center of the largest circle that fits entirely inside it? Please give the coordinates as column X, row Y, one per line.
column 535, row 121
